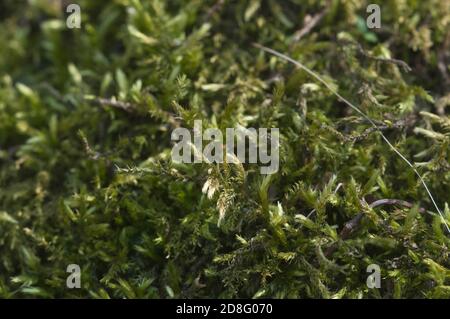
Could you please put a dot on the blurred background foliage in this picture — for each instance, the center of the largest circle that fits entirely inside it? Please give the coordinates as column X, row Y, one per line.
column 85, row 171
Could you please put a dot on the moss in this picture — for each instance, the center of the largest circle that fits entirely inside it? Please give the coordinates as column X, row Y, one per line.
column 86, row 175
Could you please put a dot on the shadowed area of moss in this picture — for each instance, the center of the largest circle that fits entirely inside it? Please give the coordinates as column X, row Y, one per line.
column 86, row 176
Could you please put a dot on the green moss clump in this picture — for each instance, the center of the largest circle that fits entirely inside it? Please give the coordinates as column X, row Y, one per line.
column 86, row 176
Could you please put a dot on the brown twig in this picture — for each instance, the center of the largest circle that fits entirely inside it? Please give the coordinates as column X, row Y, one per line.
column 309, row 24
column 363, row 52
column 127, row 107
column 216, row 7
column 442, row 56
column 87, row 148
column 171, row 119
column 352, row 225
column 400, row 124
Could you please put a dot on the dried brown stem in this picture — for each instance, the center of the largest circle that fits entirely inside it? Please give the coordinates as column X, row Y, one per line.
column 363, row 52
column 309, row 25
column 352, row 225
column 400, row 124
column 215, row 8
column 442, row 57
column 127, row 107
